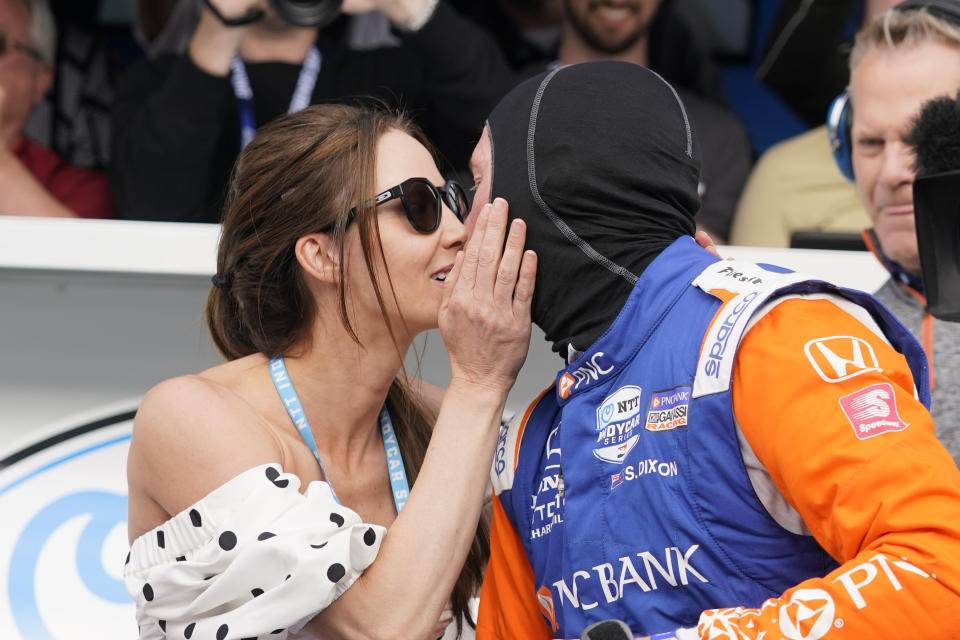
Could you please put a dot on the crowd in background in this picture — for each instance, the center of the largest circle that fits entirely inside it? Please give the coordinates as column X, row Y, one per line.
column 128, row 110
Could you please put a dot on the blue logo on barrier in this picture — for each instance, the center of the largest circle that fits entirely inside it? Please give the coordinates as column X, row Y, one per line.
column 45, row 511
column 107, row 511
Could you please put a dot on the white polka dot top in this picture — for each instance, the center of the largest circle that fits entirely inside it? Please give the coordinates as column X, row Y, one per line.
column 254, row 558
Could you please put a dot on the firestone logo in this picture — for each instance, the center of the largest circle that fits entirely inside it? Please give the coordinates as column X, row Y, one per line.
column 740, row 276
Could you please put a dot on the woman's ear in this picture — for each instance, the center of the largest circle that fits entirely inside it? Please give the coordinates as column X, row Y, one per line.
column 319, row 256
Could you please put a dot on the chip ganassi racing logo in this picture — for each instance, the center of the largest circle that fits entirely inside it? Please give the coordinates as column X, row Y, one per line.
column 668, row 410
column 617, row 417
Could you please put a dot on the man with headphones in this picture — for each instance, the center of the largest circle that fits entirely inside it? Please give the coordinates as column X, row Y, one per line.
column 901, row 59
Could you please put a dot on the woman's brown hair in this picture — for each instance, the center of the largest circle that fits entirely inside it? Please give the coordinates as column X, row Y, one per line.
column 302, row 174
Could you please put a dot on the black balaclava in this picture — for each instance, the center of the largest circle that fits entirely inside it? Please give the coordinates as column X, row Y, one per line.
column 599, row 160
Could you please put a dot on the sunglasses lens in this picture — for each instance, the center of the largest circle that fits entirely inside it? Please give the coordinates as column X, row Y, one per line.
column 423, row 208
column 457, row 200
column 3, row 43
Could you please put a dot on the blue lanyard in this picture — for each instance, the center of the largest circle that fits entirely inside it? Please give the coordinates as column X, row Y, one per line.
column 300, row 99
column 395, row 468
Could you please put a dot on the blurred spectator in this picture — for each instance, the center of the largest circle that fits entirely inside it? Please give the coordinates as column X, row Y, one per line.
column 74, row 117
column 177, row 119
column 526, row 30
column 648, row 33
column 805, row 62
column 33, row 179
column 902, row 59
column 795, row 185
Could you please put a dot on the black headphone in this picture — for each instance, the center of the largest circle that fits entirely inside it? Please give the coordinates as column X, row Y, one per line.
column 840, row 114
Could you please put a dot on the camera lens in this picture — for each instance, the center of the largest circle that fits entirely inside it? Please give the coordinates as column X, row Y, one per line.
column 307, row 13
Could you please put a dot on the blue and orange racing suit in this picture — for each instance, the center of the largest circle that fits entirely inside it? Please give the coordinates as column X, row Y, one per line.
column 745, row 454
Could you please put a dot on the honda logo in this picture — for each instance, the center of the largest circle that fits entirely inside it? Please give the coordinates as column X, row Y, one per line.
column 840, row 358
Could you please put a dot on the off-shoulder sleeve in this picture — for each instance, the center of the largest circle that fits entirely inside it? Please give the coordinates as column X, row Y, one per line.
column 253, row 558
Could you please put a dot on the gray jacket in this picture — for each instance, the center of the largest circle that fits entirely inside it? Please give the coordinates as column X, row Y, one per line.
column 945, row 372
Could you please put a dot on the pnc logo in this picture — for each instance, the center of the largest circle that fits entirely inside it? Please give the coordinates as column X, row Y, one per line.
column 808, row 616
column 840, row 358
column 590, row 371
column 565, row 385
column 545, row 602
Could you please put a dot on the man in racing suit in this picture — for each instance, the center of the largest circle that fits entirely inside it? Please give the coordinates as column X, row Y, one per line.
column 733, row 451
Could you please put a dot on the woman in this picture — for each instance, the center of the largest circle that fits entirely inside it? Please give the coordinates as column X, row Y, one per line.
column 337, row 249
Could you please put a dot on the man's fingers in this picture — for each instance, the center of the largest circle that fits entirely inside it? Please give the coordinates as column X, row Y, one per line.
column 452, row 278
column 509, row 264
column 705, row 241
column 471, row 254
column 489, row 256
column 523, row 293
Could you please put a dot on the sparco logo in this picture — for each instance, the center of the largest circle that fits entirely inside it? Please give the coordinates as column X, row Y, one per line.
column 808, row 616
column 501, row 463
column 719, row 346
column 623, row 578
column 589, row 371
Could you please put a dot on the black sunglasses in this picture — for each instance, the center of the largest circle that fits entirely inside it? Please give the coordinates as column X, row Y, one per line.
column 7, row 43
column 422, row 200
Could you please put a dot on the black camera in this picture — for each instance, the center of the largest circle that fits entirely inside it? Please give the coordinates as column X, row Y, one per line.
column 301, row 13
column 307, row 13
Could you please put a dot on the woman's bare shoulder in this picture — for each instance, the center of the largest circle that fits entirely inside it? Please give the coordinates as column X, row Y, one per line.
column 191, row 435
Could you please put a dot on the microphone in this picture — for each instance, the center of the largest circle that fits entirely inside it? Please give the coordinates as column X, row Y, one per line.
column 935, row 137
column 607, row 630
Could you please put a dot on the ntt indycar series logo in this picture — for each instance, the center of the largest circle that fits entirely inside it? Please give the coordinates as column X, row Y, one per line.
column 64, row 536
column 668, row 410
column 617, row 418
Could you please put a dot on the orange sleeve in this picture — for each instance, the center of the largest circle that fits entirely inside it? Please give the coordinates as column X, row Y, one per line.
column 508, row 599
column 828, row 408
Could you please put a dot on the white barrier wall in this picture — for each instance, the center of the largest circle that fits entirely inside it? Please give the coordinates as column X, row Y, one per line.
column 92, row 314
column 96, row 311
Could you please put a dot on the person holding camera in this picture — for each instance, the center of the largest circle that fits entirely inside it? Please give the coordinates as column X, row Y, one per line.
column 179, row 121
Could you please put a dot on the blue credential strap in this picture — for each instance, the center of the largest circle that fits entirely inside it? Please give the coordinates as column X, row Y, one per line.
column 399, row 485
column 300, row 99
